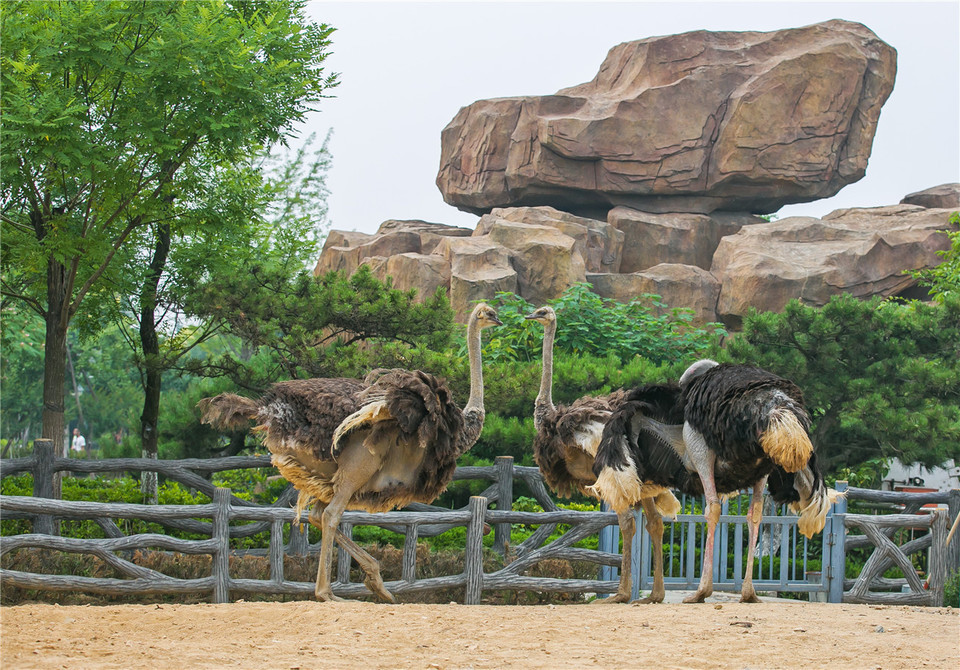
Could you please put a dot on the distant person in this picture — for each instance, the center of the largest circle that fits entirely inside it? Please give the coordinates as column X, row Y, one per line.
column 78, row 444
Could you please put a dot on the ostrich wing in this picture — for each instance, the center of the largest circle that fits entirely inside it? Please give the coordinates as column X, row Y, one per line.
column 410, row 404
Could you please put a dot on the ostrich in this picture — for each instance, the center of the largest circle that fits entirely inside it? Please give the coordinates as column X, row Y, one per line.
column 566, row 444
column 742, row 427
column 375, row 447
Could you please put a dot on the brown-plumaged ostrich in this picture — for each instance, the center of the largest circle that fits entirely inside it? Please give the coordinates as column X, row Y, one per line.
column 373, row 447
column 743, row 427
column 566, row 444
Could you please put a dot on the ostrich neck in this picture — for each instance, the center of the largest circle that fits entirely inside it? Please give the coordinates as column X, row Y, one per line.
column 475, row 401
column 544, row 400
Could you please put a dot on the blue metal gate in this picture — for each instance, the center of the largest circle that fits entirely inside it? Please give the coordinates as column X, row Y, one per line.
column 785, row 560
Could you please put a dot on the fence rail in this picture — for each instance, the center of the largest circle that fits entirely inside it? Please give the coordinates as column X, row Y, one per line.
column 425, row 520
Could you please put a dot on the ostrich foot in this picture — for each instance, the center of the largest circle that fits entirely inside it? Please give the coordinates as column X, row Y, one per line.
column 651, row 599
column 613, row 600
column 697, row 597
column 375, row 583
column 749, row 597
column 327, row 595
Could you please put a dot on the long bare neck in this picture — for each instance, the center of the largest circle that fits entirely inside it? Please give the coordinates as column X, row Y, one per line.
column 544, row 399
column 475, row 401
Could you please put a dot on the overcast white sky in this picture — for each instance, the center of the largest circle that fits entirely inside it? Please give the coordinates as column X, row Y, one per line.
column 406, row 69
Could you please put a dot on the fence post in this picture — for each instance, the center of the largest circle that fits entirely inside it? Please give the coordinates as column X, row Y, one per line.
column 501, row 531
column 953, row 551
column 276, row 551
column 221, row 558
column 344, row 559
column 835, row 571
column 937, row 561
column 43, row 486
column 473, row 552
column 299, row 538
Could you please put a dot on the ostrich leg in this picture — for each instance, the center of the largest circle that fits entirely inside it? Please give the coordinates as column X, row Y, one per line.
column 654, row 524
column 754, row 516
column 367, row 563
column 356, row 466
column 703, row 460
column 628, row 528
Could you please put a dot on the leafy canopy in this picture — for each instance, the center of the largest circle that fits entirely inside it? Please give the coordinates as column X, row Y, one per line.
column 881, row 377
column 588, row 324
column 105, row 103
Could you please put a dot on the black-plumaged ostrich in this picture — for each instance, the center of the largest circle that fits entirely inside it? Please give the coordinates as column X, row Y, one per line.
column 566, row 444
column 343, row 443
column 743, row 427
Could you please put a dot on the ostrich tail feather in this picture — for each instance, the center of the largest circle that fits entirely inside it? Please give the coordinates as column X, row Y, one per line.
column 836, row 495
column 786, row 441
column 618, row 488
column 668, row 505
column 303, row 501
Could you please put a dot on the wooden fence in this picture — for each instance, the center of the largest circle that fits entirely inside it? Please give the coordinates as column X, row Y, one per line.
column 426, row 520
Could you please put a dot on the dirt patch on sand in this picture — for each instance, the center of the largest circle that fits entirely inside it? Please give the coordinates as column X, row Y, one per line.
column 368, row 635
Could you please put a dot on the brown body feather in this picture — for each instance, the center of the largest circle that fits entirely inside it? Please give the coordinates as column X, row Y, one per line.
column 565, row 445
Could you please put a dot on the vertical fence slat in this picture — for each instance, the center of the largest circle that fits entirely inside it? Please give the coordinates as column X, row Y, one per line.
column 501, row 531
column 409, row 569
column 43, row 483
column 473, row 552
column 299, row 538
column 640, row 556
column 835, row 571
column 953, row 551
column 608, row 541
column 276, row 551
column 344, row 559
column 221, row 559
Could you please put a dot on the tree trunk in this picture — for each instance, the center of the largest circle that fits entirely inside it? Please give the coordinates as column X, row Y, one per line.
column 153, row 368
column 55, row 361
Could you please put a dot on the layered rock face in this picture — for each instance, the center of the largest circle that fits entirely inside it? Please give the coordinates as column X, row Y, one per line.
column 719, row 265
column 698, row 122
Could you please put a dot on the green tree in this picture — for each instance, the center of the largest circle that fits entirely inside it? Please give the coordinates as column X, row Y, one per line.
column 106, row 108
column 301, row 326
column 944, row 279
column 881, row 377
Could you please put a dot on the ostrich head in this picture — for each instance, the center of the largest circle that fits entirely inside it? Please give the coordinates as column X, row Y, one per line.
column 543, row 315
column 484, row 316
column 696, row 370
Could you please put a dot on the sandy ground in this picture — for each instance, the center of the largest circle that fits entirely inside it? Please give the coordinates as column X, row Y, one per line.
column 367, row 635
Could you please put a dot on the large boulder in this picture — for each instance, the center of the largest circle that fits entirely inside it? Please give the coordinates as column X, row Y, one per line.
column 479, row 268
column 599, row 243
column 423, row 272
column 547, row 261
column 687, row 239
column 678, row 285
column 945, row 196
column 737, row 121
column 863, row 252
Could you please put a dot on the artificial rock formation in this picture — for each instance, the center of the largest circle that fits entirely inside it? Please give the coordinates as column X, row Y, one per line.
column 944, row 196
column 698, row 122
column 688, row 239
column 678, row 285
column 863, row 252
